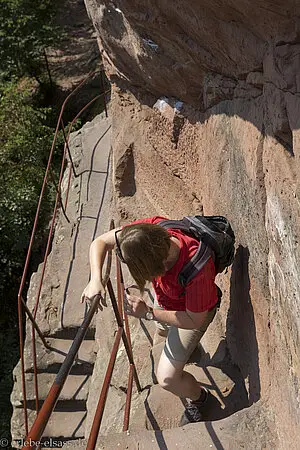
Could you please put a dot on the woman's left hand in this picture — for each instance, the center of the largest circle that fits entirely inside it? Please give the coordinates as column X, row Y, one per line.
column 135, row 306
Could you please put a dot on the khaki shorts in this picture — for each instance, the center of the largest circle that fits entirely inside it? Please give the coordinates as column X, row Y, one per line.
column 181, row 343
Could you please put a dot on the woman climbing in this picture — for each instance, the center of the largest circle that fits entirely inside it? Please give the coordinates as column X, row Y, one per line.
column 153, row 253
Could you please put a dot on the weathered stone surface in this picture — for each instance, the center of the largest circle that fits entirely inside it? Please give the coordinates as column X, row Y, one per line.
column 245, row 429
column 67, row 271
column 170, row 52
column 76, row 387
column 124, row 173
column 211, row 365
column 51, row 359
column 60, row 313
column 141, row 337
column 62, row 425
column 236, row 68
column 231, row 169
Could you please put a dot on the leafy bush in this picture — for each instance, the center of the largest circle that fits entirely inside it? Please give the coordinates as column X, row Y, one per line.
column 25, row 140
column 26, row 29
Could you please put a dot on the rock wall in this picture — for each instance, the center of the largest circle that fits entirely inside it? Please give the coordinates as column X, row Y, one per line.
column 223, row 139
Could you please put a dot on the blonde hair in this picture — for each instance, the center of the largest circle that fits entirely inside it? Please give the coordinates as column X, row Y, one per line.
column 144, row 247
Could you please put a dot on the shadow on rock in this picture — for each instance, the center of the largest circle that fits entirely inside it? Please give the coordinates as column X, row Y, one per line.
column 233, row 371
column 240, row 325
column 220, row 405
column 224, row 381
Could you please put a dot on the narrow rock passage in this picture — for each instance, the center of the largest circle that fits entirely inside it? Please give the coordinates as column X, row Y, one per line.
column 155, row 413
column 60, row 313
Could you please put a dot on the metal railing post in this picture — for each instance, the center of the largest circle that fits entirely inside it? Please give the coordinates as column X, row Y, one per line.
column 92, row 441
column 59, row 196
column 48, row 406
column 101, row 403
column 128, row 398
column 36, row 385
column 103, row 90
column 124, row 337
column 31, row 318
column 68, row 148
column 21, row 336
column 28, row 255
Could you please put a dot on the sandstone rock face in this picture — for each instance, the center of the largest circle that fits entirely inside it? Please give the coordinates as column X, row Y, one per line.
column 232, row 148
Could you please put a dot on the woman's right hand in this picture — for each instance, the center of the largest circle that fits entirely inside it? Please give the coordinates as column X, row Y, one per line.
column 94, row 288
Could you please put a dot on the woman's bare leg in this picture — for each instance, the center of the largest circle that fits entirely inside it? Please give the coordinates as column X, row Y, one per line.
column 172, row 377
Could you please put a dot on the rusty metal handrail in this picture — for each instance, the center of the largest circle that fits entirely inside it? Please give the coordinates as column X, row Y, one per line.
column 121, row 290
column 106, row 384
column 39, row 425
column 34, row 435
column 48, row 406
column 21, row 302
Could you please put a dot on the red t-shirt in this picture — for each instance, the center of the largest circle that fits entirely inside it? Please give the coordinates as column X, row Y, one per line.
column 200, row 294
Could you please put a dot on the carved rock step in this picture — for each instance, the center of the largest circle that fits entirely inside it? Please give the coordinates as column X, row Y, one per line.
column 93, row 170
column 163, row 410
column 75, row 389
column 251, row 428
column 51, row 360
column 69, row 426
column 62, row 426
column 69, row 333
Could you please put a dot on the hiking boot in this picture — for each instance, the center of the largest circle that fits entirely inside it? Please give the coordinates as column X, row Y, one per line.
column 194, row 410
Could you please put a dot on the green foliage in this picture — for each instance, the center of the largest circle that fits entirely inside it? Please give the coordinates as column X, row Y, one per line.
column 26, row 29
column 26, row 132
column 25, row 141
column 10, row 351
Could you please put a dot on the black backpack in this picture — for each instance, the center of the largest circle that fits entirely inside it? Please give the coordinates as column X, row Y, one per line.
column 217, row 241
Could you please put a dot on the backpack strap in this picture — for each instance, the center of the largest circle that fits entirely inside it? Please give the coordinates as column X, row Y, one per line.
column 175, row 224
column 195, row 264
column 198, row 260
